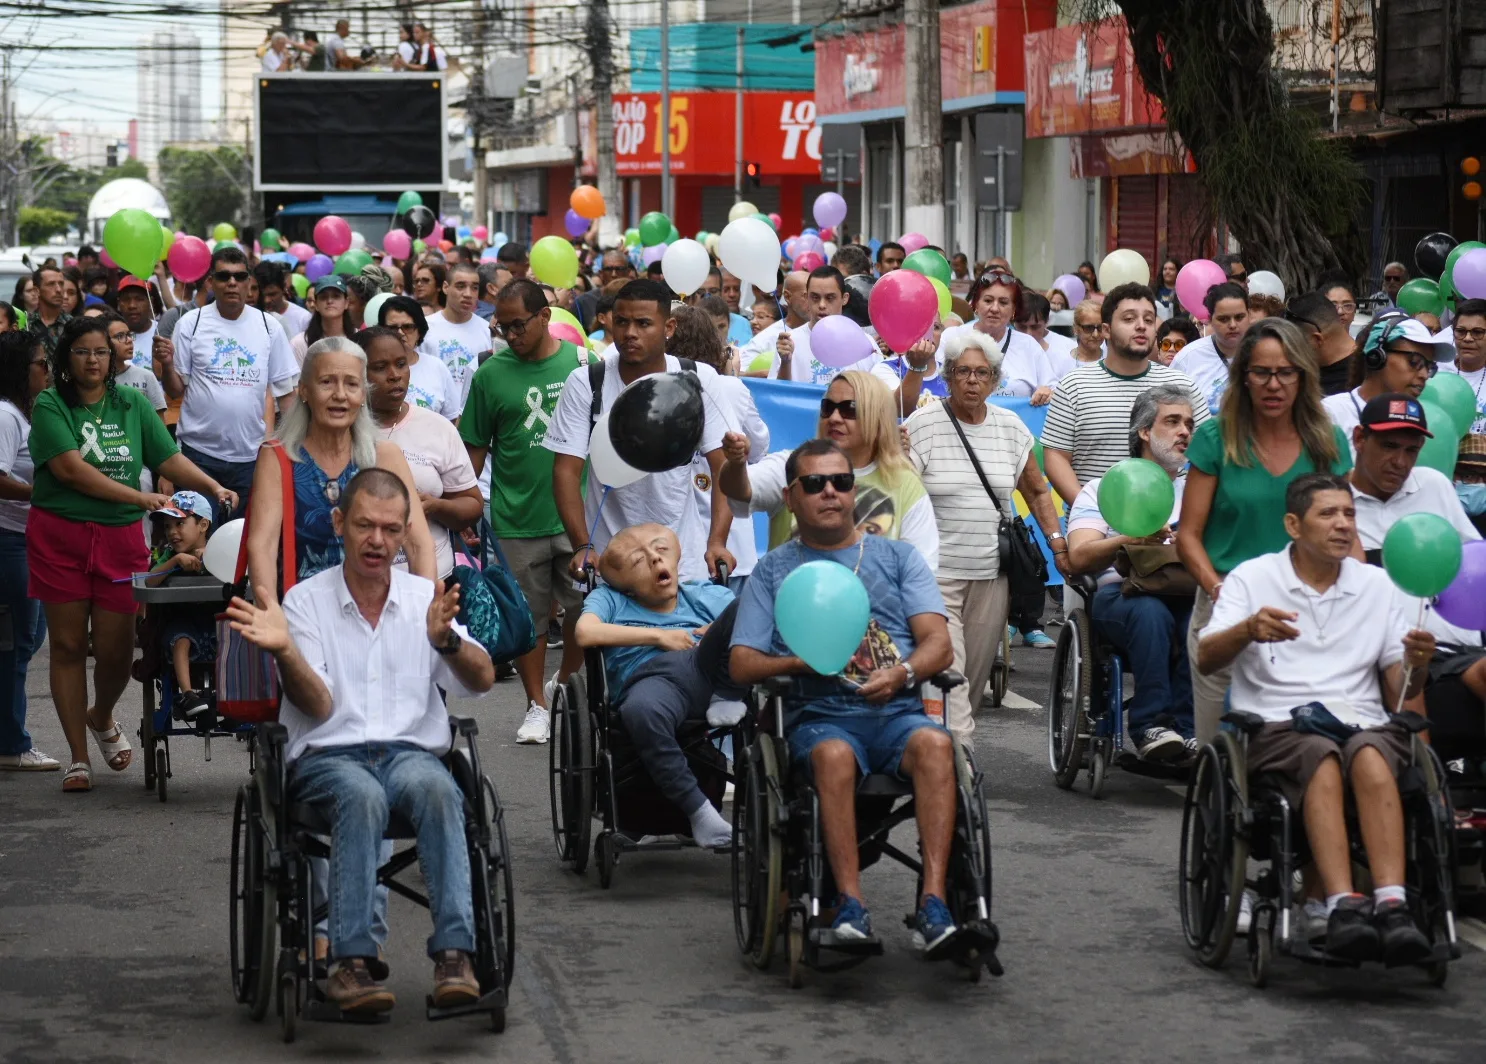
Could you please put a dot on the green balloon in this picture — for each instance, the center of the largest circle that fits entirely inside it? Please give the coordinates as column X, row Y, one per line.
column 301, row 284
column 931, row 264
column 222, row 231
column 655, row 228
column 1441, row 449
column 1036, row 453
column 701, row 237
column 1421, row 553
column 1447, row 279
column 220, row 244
column 132, row 238
column 419, row 247
column 1450, row 392
column 761, row 216
column 1136, row 497
column 554, row 261
column 1421, row 296
column 674, row 235
column 351, row 263
column 270, row 239
column 631, row 238
column 407, row 201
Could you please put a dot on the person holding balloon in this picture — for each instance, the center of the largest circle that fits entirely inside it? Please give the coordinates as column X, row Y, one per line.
column 1398, row 355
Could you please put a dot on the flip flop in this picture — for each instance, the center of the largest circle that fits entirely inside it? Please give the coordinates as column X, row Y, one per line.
column 79, row 778
column 115, row 748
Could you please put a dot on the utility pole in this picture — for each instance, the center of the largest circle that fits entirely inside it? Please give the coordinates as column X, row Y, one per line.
column 601, row 60
column 10, row 159
column 923, row 125
column 738, row 126
column 476, row 118
column 665, row 108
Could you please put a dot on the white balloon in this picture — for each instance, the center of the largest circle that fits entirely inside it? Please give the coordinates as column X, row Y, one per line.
column 749, row 248
column 830, row 251
column 220, row 556
column 742, row 209
column 357, row 241
column 685, row 265
column 611, row 470
column 373, row 310
column 1264, row 283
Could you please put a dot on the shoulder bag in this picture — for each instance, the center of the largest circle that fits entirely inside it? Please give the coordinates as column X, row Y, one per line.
column 492, row 605
column 1017, row 553
column 1153, row 569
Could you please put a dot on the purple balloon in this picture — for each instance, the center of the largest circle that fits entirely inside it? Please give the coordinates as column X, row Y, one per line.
column 837, row 341
column 830, row 210
column 1469, row 277
column 576, row 224
column 318, row 267
column 1463, row 603
column 1072, row 286
column 809, row 242
column 654, row 254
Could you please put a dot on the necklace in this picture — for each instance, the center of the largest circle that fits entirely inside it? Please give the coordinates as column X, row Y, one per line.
column 97, row 415
column 861, row 550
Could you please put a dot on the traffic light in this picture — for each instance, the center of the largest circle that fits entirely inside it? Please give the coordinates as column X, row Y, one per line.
column 1470, row 166
column 753, row 170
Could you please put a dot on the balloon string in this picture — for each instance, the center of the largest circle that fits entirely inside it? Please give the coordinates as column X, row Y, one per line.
column 593, row 529
column 1403, row 687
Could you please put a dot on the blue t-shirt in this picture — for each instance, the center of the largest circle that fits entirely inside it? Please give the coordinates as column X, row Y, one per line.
column 899, row 585
column 698, row 604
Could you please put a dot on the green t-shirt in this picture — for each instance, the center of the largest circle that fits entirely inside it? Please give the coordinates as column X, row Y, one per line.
column 1248, row 511
column 510, row 404
column 121, row 435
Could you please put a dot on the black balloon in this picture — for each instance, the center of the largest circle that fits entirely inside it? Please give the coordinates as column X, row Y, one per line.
column 419, row 222
column 656, row 423
column 859, row 290
column 1431, row 252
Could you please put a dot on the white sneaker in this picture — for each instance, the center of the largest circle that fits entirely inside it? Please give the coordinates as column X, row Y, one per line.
column 33, row 760
column 535, row 727
column 549, row 689
column 1245, row 914
column 1159, row 744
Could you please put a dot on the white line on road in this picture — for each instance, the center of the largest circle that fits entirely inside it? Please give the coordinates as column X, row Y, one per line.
column 1012, row 700
column 1472, row 930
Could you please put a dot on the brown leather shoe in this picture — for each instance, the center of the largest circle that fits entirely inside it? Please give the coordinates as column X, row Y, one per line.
column 454, row 980
column 351, row 988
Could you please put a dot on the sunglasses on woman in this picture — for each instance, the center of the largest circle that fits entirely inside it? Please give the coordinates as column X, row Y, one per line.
column 846, row 407
column 815, row 483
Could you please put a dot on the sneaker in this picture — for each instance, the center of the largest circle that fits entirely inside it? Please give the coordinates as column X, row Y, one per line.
column 933, row 928
column 189, row 705
column 454, row 981
column 1313, row 922
column 1039, row 640
column 1350, row 933
column 549, row 689
column 1159, row 744
column 1190, row 748
column 554, row 635
column 1403, row 942
column 853, row 921
column 33, row 760
column 351, row 988
column 534, row 728
column 1245, row 914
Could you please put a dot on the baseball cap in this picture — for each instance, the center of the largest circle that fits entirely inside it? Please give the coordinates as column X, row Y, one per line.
column 186, row 503
column 130, row 281
column 331, row 280
column 1394, row 410
column 1397, row 327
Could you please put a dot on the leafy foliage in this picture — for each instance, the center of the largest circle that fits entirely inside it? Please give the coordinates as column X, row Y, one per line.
column 40, row 224
column 59, row 186
column 205, row 187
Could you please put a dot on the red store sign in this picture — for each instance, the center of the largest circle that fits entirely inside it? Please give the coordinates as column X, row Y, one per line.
column 1082, row 79
column 779, row 133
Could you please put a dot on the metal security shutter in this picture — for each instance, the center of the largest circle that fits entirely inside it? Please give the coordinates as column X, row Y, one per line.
column 1136, row 200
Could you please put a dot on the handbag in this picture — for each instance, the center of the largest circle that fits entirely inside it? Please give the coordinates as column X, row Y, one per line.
column 1315, row 719
column 1153, row 569
column 1020, row 557
column 492, row 606
column 247, row 676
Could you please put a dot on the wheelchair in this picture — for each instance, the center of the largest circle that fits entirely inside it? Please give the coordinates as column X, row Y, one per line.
column 1086, row 702
column 1231, row 819
column 780, row 875
column 273, row 840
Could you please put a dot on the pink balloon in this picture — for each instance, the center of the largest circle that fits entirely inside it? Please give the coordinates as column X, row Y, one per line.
column 828, row 233
column 480, row 233
column 299, row 249
column 1192, row 283
column 912, row 242
column 333, row 235
column 775, row 220
column 902, row 308
column 398, row 244
column 837, row 341
column 189, row 258
column 809, row 260
column 563, row 331
column 107, row 259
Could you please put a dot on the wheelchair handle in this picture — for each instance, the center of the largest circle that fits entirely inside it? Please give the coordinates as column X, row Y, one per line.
column 722, row 574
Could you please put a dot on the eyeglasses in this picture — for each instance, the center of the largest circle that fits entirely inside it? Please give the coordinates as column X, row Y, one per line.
column 517, row 326
column 1173, row 343
column 1418, row 362
column 846, row 407
column 1474, row 335
column 407, row 328
column 1262, row 375
column 1393, row 277
column 979, row 374
column 998, row 277
column 1088, row 330
column 122, row 338
column 102, row 354
column 38, row 362
column 230, row 276
column 1344, row 306
column 1241, row 277
column 815, row 483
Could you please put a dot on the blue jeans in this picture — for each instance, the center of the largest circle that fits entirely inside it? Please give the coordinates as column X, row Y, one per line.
column 358, row 786
column 234, row 476
column 28, row 631
column 1150, row 632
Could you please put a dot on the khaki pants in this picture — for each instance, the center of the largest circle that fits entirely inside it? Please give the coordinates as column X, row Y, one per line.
column 977, row 618
column 1208, row 692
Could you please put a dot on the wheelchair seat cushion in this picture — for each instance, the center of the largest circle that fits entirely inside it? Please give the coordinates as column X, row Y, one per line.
column 877, row 742
column 1287, row 759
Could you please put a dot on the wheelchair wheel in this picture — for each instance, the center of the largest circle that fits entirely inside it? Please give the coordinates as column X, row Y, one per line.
column 1433, row 861
column 495, row 898
column 758, row 857
column 147, row 738
column 796, row 938
column 605, row 855
column 1069, row 696
column 1098, row 770
column 288, row 1005
column 1261, row 947
column 970, row 857
column 570, row 764
column 1214, row 855
column 253, row 907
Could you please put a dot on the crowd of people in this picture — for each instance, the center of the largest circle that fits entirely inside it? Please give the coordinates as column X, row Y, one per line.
column 416, row 50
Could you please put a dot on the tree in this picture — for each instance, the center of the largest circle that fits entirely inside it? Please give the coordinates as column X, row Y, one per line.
column 1290, row 197
column 40, row 224
column 205, row 187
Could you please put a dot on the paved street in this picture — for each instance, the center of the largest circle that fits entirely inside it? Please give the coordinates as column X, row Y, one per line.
column 113, row 940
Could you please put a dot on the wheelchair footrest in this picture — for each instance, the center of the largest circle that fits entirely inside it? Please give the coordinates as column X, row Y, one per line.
column 825, row 938
column 496, row 999
column 325, row 1012
column 1161, row 770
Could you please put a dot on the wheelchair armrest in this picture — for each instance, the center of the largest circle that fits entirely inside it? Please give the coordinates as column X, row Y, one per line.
column 1411, row 722
column 1085, row 582
column 947, row 680
column 777, row 686
column 463, row 726
column 274, row 735
column 1243, row 720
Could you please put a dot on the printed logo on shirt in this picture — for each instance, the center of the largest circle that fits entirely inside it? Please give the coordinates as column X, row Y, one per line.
column 1215, row 393
column 105, row 446
column 421, row 397
column 703, row 482
column 537, row 413
column 456, row 356
column 231, row 362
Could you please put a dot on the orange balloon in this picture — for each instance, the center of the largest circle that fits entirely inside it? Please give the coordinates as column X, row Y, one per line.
column 1471, row 190
column 587, row 201
column 1470, row 166
column 446, row 245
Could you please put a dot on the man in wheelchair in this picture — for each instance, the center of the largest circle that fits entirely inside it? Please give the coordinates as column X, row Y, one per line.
column 1320, row 650
column 871, row 718
column 362, row 649
column 665, row 655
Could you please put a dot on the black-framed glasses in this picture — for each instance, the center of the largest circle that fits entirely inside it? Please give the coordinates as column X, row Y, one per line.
column 229, row 276
column 1262, row 375
column 517, row 326
column 1393, row 277
column 815, row 483
column 1417, row 361
column 125, row 337
column 847, row 408
column 1241, row 277
column 1475, row 335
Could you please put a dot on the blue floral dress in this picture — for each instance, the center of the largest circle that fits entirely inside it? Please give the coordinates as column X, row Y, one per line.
column 316, row 546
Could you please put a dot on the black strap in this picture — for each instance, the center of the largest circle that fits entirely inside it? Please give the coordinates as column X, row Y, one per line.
column 596, row 387
column 981, row 473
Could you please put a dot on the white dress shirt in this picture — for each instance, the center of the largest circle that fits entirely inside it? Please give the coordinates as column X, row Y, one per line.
column 381, row 680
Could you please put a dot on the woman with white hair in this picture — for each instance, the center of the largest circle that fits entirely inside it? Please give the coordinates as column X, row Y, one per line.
column 276, row 57
column 963, row 449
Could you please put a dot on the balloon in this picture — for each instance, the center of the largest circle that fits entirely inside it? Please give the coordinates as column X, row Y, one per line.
column 1440, row 450
column 407, row 201
column 761, row 216
column 1469, row 275
column 554, row 261
column 787, row 249
column 1136, row 497
column 218, row 246
column 654, row 228
column 587, row 202
column 631, row 238
column 446, row 246
column 1463, row 603
column 1447, row 287
column 611, row 470
column 674, row 234
column 684, row 266
column 222, row 549
column 372, row 314
column 464, row 232
column 318, row 267
column 1072, row 286
column 480, row 233
column 333, row 235
column 357, row 241
column 1123, row 266
column 1419, row 296
column 809, row 260
column 351, row 263
column 563, row 331
column 810, row 242
column 558, row 316
column 301, row 251
column 654, row 254
column 167, row 238
column 775, row 220
column 741, row 209
column 1422, row 554
column 301, row 284
column 132, row 237
column 500, row 239
column 810, row 231
column 224, row 231
column 946, row 301
column 903, row 307
column 1431, row 253
column 812, row 592
column 827, row 233
column 859, row 299
column 749, row 249
column 271, row 239
column 107, row 259
column 574, row 223
column 712, row 242
column 417, row 221
column 911, row 242
column 419, row 247
column 838, row 342
column 830, row 252
column 1456, row 398
column 656, row 423
column 490, row 254
column 762, row 363
column 830, row 209
column 929, row 263
column 1192, row 283
column 189, row 259
column 397, row 244
column 1265, row 283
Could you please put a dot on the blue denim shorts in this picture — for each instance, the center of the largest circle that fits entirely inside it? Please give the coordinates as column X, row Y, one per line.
column 877, row 742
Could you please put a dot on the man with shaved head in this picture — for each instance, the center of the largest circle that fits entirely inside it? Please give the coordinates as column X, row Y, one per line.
column 665, row 646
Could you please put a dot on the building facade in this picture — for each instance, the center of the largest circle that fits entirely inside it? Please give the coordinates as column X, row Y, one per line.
column 170, row 103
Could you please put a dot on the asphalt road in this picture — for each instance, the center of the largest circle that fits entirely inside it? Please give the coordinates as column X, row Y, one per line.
column 113, row 940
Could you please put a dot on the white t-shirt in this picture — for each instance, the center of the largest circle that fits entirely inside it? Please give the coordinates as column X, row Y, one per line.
column 1024, row 364
column 740, row 414
column 765, row 339
column 229, row 368
column 440, row 61
column 1477, row 381
column 335, row 47
column 431, row 386
column 142, row 379
column 804, row 367
column 1345, row 411
column 459, row 345
column 662, row 498
column 144, row 349
column 1208, row 369
column 1084, row 513
column 15, row 463
column 295, row 319
column 407, row 50
column 1335, row 660
column 440, row 464
column 273, row 61
column 1059, row 352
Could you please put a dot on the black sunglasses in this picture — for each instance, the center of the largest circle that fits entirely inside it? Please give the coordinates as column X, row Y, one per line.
column 226, row 276
column 847, row 408
column 815, row 483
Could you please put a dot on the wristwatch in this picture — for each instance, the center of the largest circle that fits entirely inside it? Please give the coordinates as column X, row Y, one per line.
column 450, row 646
column 912, row 677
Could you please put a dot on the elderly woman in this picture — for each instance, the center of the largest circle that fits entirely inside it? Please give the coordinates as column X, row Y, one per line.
column 964, row 448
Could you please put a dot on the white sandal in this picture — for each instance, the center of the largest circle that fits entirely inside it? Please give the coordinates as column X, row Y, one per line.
column 79, row 777
column 113, row 747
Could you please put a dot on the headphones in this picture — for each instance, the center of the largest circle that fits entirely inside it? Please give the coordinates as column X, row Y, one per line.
column 1375, row 349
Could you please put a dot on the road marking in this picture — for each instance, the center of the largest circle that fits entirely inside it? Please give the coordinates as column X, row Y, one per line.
column 1012, row 700
column 1472, row 930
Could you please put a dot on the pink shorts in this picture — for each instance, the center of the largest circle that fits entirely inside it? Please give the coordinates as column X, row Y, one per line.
column 78, row 561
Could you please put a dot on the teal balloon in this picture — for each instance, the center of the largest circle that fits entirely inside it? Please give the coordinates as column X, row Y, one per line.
column 1421, row 296
column 1136, row 497
column 673, row 235
column 1450, row 392
column 407, row 201
column 1441, row 450
column 654, row 229
column 1421, row 553
column 821, row 611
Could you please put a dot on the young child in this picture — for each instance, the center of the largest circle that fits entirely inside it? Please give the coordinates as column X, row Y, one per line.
column 189, row 635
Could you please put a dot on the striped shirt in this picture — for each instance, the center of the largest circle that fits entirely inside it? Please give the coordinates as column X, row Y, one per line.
column 1089, row 416
column 968, row 520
